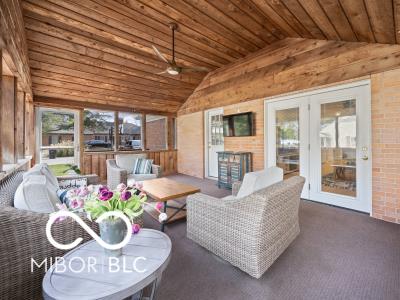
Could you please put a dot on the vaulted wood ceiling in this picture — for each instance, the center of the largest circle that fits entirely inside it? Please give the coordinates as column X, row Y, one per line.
column 98, row 52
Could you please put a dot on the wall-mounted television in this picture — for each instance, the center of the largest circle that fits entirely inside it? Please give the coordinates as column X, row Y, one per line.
column 238, row 124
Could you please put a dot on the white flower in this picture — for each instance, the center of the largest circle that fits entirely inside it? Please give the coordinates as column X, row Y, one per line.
column 162, row 217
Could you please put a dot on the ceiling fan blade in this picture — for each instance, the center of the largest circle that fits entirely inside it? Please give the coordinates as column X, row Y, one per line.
column 163, row 72
column 194, row 69
column 159, row 54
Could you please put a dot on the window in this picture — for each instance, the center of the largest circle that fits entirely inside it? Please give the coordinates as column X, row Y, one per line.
column 156, row 132
column 130, row 131
column 98, row 130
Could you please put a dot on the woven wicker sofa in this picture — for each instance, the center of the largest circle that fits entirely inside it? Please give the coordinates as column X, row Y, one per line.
column 22, row 236
column 249, row 232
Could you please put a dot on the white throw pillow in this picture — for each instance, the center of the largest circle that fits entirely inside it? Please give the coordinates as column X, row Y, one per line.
column 37, row 195
column 128, row 161
column 256, row 181
column 43, row 169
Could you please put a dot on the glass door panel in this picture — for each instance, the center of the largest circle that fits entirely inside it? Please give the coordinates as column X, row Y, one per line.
column 58, row 140
column 338, row 139
column 288, row 141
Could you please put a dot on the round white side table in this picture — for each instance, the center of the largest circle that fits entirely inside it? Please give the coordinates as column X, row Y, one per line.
column 86, row 273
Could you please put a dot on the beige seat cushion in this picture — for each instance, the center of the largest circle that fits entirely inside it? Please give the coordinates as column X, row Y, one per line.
column 127, row 161
column 140, row 177
column 256, row 181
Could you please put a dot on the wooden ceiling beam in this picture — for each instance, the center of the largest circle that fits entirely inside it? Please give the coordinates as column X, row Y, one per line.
column 336, row 15
column 60, row 14
column 380, row 14
column 239, row 21
column 194, row 18
column 225, row 14
column 106, row 87
column 96, row 98
column 84, row 88
column 102, row 79
column 153, row 28
column 37, row 56
column 96, row 58
column 318, row 15
column 56, row 102
column 358, row 18
column 184, row 33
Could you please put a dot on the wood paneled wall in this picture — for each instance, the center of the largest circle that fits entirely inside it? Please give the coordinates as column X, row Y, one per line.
column 289, row 65
column 13, row 42
column 17, row 120
column 7, row 119
column 95, row 163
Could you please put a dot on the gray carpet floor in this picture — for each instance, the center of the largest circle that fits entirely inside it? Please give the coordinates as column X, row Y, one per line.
column 339, row 254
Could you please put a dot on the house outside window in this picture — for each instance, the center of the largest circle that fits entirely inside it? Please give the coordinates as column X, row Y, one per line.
column 99, row 131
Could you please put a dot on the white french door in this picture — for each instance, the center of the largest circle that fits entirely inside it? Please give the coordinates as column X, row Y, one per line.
column 214, row 140
column 287, row 134
column 324, row 135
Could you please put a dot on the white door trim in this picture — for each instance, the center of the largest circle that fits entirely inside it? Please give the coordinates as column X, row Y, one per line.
column 300, row 94
column 366, row 115
column 38, row 132
column 206, row 136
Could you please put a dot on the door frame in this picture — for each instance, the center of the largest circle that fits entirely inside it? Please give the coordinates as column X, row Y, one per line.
column 38, row 132
column 206, row 139
column 313, row 92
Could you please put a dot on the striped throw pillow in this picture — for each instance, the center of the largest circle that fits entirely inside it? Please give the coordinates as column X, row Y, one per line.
column 143, row 166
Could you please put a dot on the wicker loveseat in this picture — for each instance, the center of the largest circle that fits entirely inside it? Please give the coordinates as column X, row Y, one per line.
column 23, row 237
column 249, row 232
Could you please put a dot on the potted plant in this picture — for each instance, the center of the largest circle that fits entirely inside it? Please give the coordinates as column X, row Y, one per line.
column 97, row 201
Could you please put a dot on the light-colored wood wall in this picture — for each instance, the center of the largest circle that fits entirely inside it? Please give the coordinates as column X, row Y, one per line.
column 290, row 65
column 190, row 131
column 95, row 162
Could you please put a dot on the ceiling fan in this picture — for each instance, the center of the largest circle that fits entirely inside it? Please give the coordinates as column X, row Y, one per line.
column 173, row 68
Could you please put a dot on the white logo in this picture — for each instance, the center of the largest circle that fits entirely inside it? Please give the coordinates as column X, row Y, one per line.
column 64, row 213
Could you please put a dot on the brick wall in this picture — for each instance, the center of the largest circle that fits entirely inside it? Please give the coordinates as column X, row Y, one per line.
column 156, row 134
column 386, row 146
column 190, row 130
column 385, row 142
column 253, row 144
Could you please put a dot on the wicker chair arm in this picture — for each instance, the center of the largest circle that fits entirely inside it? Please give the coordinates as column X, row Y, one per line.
column 156, row 169
column 23, row 239
column 115, row 174
column 91, row 178
column 236, row 187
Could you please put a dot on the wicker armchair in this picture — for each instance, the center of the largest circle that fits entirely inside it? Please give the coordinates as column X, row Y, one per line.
column 250, row 232
column 23, row 237
column 117, row 174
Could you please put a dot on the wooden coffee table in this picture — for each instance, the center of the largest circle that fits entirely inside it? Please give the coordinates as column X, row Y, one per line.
column 168, row 191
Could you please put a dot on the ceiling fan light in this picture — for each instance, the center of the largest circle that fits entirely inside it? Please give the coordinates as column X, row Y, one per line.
column 172, row 71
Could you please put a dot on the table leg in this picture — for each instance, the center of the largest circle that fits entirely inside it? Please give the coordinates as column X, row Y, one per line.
column 177, row 210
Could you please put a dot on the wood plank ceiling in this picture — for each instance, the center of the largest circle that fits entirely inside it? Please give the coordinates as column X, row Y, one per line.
column 98, row 52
